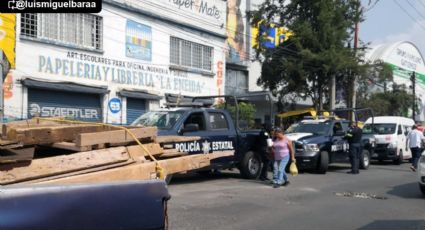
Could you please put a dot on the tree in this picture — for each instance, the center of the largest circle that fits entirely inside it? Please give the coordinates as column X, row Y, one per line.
column 303, row 66
column 395, row 102
column 246, row 112
column 378, row 76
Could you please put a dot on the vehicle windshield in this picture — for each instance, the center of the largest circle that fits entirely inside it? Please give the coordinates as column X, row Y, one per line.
column 383, row 128
column 318, row 128
column 291, row 128
column 160, row 119
column 367, row 129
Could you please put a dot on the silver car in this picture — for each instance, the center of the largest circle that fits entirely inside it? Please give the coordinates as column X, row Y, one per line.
column 421, row 173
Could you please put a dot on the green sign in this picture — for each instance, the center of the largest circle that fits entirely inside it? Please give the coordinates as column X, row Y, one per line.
column 404, row 73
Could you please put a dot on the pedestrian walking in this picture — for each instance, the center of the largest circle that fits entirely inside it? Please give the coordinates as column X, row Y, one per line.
column 282, row 152
column 354, row 138
column 415, row 138
column 265, row 150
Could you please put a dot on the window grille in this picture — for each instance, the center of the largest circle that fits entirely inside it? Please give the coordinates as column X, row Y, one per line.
column 190, row 54
column 80, row 30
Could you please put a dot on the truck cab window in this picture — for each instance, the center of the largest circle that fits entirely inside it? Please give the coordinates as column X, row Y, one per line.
column 218, row 121
column 196, row 118
column 337, row 127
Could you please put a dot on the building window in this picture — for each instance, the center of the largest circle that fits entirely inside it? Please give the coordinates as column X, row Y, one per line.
column 236, row 82
column 190, row 54
column 79, row 30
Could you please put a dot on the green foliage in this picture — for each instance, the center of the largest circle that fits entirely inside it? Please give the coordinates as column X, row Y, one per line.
column 390, row 103
column 318, row 50
column 377, row 75
column 246, row 113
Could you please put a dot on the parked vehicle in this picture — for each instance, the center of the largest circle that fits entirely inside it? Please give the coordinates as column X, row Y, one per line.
column 421, row 173
column 107, row 206
column 289, row 118
column 219, row 129
column 390, row 133
column 320, row 142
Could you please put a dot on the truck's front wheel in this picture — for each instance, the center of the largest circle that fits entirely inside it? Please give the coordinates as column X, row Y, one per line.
column 250, row 165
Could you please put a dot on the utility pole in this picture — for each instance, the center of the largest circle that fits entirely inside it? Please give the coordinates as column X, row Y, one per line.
column 332, row 92
column 413, row 79
column 353, row 85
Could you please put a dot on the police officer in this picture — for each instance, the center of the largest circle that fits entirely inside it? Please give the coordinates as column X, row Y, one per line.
column 354, row 137
column 265, row 150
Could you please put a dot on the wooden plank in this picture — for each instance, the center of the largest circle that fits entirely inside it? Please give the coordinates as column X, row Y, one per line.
column 24, row 124
column 16, row 155
column 49, row 135
column 7, row 142
column 51, row 166
column 79, row 172
column 143, row 171
column 168, row 153
column 115, row 136
column 138, row 153
column 71, row 146
column 171, row 139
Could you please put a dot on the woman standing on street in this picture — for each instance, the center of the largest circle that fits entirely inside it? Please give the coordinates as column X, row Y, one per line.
column 282, row 149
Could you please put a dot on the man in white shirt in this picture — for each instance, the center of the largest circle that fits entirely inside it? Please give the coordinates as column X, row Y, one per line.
column 415, row 143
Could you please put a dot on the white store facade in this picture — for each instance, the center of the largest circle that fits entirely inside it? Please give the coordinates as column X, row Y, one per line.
column 113, row 66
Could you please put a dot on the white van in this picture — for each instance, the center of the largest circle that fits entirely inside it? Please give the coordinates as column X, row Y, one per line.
column 391, row 137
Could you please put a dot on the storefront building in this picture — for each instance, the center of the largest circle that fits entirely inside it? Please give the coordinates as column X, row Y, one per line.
column 113, row 66
column 405, row 59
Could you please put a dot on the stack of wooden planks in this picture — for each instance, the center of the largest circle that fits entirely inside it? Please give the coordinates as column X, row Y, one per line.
column 89, row 153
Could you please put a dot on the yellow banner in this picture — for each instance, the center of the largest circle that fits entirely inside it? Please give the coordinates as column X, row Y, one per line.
column 7, row 37
column 273, row 35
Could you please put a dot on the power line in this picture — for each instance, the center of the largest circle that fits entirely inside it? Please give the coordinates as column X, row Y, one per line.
column 408, row 14
column 417, row 11
column 421, row 3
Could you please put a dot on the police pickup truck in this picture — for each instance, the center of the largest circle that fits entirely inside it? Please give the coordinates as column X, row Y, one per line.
column 218, row 128
column 320, row 142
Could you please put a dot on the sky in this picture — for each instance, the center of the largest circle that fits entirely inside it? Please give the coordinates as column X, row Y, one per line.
column 388, row 21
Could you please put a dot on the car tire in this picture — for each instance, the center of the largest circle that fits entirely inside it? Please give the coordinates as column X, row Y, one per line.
column 422, row 188
column 365, row 159
column 250, row 167
column 399, row 159
column 323, row 164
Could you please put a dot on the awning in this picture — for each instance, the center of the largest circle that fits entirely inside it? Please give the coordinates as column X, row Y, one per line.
column 64, row 86
column 139, row 94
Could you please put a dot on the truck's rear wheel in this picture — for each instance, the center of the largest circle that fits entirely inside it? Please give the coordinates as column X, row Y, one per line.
column 323, row 164
column 365, row 159
column 250, row 166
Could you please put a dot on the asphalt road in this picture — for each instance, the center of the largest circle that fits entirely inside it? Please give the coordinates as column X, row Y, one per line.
column 384, row 197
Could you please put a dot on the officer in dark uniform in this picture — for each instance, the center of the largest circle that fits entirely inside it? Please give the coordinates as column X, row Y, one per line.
column 354, row 137
column 265, row 150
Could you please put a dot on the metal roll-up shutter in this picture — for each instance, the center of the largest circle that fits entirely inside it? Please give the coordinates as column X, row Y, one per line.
column 135, row 108
column 78, row 106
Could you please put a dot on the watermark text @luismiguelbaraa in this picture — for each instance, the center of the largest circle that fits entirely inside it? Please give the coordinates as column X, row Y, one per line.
column 50, row 6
